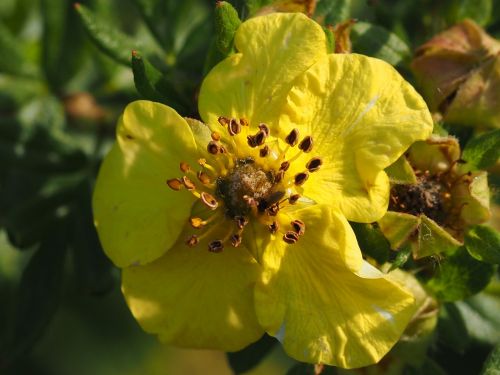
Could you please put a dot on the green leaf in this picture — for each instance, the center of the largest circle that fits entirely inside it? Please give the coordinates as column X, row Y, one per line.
column 376, row 41
column 333, row 11
column 39, row 293
column 478, row 10
column 492, row 364
column 246, row 359
column 460, row 276
column 451, row 328
column 402, row 257
column 372, row 242
column 110, row 40
column 483, row 151
column 226, row 24
column 13, row 61
column 483, row 243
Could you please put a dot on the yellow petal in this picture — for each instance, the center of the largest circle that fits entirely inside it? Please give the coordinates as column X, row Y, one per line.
column 362, row 116
column 253, row 83
column 321, row 311
column 193, row 298
column 138, row 217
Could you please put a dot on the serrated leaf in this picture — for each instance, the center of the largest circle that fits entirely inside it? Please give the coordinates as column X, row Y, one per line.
column 492, row 363
column 372, row 242
column 483, row 151
column 38, row 296
column 110, row 40
column 246, row 359
column 460, row 276
column 483, row 243
column 376, row 41
column 333, row 11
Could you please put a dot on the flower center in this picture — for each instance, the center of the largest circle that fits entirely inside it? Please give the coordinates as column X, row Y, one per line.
column 246, row 179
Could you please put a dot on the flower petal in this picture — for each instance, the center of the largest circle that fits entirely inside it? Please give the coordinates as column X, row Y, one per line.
column 194, row 298
column 321, row 311
column 254, row 82
column 362, row 116
column 137, row 216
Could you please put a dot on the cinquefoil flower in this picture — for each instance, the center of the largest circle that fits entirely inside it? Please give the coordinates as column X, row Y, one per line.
column 238, row 225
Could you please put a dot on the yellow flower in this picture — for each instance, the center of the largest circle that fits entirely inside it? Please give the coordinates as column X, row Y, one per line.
column 250, row 234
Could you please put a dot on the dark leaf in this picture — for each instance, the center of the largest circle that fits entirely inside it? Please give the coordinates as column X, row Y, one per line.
column 333, row 11
column 252, row 355
column 451, row 328
column 402, row 257
column 372, row 242
column 492, row 364
column 483, row 151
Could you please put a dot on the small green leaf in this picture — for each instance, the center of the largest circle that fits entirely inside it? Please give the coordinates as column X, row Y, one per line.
column 372, row 242
column 483, row 243
column 13, row 61
column 483, row 151
column 246, row 359
column 402, row 257
column 401, row 172
column 111, row 41
column 492, row 364
column 478, row 10
column 330, row 39
column 460, row 276
column 226, row 24
column 39, row 293
column 333, row 11
column 376, row 41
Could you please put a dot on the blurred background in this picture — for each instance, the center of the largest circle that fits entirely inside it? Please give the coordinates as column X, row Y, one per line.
column 66, row 72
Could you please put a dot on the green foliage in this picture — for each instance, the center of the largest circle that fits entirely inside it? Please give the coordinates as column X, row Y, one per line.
column 482, row 151
column 226, row 24
column 372, row 242
column 333, row 11
column 460, row 276
column 246, row 359
column 13, row 61
column 402, row 256
column 492, row 364
column 478, row 10
column 483, row 243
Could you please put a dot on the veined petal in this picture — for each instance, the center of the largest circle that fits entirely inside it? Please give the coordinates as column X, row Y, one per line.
column 193, row 298
column 138, row 217
column 321, row 311
column 362, row 116
column 254, row 82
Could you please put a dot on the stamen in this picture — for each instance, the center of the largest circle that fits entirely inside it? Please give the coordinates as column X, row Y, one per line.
column 314, row 164
column 260, row 138
column 192, row 240
column 293, row 198
column 264, row 151
column 188, row 183
column 174, row 184
column 265, row 129
column 279, row 176
column 215, row 136
column 306, row 144
column 197, row 222
column 203, row 162
column 216, row 246
column 298, row 226
column 293, row 137
column 203, row 177
column 273, row 209
column 300, row 178
column 244, row 122
column 236, row 240
column 284, row 166
column 241, row 221
column 213, row 148
column 234, row 127
column 184, row 167
column 290, row 237
column 273, row 227
column 224, row 121
column 251, row 141
column 209, row 200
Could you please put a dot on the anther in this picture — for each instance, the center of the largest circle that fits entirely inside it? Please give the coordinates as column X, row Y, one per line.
column 290, row 237
column 293, row 198
column 213, row 148
column 216, row 246
column 265, row 129
column 273, row 209
column 298, row 227
column 192, row 240
column 203, row 177
column 251, row 141
column 215, row 136
column 314, row 164
column 241, row 221
column 188, row 183
column 260, row 138
column 284, row 166
column 236, row 240
column 184, row 167
column 306, row 144
column 234, row 127
column 279, row 176
column 300, row 178
column 243, row 122
column 209, row 200
column 293, row 137
column 224, row 121
column 273, row 227
column 264, row 151
column 196, row 222
column 174, row 184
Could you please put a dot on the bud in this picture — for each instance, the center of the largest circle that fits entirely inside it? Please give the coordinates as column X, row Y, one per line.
column 226, row 24
column 459, row 73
